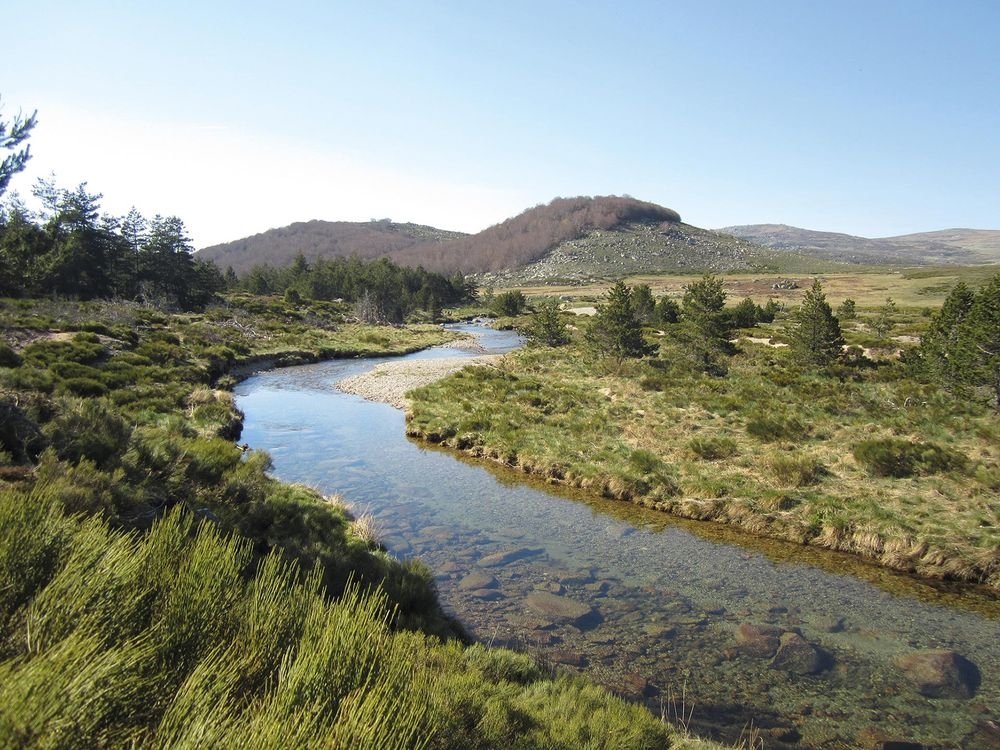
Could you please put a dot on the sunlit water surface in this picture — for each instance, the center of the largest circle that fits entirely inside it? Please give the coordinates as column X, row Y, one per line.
column 657, row 607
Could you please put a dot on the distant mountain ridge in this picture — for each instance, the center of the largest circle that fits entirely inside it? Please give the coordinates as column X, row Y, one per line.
column 944, row 247
column 567, row 240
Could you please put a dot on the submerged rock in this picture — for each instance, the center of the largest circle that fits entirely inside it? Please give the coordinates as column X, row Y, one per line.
column 796, row 655
column 761, row 641
column 558, row 607
column 940, row 673
column 478, row 579
column 503, row 558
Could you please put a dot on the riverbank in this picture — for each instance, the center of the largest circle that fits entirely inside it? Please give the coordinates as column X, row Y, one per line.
column 776, row 452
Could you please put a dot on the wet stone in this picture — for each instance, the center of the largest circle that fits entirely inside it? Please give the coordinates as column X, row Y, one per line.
column 659, row 630
column 830, row 624
column 568, row 658
column 498, row 559
column 478, row 579
column 761, row 641
column 797, row 656
column 940, row 673
column 558, row 607
column 552, row 587
column 486, row 595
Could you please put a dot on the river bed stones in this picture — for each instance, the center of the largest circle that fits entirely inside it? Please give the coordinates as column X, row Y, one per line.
column 940, row 673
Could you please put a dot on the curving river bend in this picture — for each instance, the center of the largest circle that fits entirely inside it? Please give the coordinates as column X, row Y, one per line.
column 810, row 649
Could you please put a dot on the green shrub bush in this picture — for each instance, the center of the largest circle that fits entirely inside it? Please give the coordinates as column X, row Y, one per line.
column 88, row 428
column 797, row 470
column 8, row 357
column 83, row 387
column 898, row 457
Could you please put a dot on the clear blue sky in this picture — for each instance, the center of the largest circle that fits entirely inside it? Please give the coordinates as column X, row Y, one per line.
column 873, row 118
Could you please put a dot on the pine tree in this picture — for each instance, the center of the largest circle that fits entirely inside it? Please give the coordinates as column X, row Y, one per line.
column 939, row 355
column 643, row 303
column 704, row 301
column 12, row 135
column 547, row 327
column 616, row 331
column 816, row 335
column 884, row 319
column 979, row 341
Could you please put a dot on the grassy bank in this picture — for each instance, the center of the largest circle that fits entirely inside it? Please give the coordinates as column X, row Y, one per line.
column 159, row 589
column 864, row 460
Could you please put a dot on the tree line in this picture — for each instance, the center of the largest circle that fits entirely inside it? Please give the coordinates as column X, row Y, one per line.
column 69, row 248
column 382, row 291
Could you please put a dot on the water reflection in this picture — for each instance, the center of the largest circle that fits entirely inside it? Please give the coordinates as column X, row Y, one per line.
column 636, row 600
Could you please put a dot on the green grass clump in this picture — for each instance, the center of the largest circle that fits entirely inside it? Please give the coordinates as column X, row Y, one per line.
column 713, row 448
column 896, row 457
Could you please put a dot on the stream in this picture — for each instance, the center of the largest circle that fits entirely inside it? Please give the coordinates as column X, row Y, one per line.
column 729, row 635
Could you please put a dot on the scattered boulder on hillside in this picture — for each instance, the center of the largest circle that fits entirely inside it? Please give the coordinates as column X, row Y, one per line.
column 940, row 673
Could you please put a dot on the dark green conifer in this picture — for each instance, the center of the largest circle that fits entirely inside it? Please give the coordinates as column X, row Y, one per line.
column 816, row 336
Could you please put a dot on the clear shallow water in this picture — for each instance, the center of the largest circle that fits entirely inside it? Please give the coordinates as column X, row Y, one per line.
column 653, row 609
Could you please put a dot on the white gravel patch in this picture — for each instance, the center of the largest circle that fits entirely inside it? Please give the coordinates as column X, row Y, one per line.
column 389, row 382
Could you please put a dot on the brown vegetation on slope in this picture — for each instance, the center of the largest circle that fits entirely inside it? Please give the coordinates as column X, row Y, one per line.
column 514, row 243
column 528, row 236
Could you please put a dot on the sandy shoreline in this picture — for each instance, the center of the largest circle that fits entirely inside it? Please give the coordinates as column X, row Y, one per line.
column 390, row 381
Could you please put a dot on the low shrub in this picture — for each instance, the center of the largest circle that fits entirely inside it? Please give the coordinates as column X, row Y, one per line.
column 712, row 448
column 771, row 428
column 8, row 357
column 898, row 457
column 83, row 387
column 90, row 428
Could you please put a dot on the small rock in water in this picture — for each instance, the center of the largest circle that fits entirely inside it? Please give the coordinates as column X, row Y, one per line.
column 761, row 641
column 797, row 655
column 558, row 607
column 486, row 595
column 830, row 624
column 478, row 579
column 503, row 558
column 569, row 658
column 940, row 673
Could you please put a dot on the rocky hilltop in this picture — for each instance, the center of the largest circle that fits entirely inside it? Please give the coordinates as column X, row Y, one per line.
column 649, row 248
